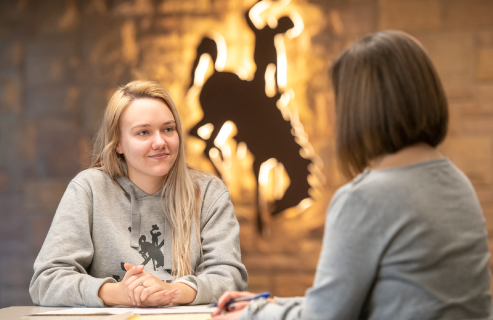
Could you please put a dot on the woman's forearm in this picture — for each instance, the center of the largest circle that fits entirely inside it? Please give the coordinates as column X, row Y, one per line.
column 187, row 294
column 112, row 294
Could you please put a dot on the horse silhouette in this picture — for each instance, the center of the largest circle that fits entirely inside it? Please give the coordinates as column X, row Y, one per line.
column 224, row 96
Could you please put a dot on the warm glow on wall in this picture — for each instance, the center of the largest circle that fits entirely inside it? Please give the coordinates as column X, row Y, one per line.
column 241, row 152
column 222, row 50
column 205, row 59
column 273, row 180
column 281, row 62
column 270, row 80
column 227, row 130
column 205, row 131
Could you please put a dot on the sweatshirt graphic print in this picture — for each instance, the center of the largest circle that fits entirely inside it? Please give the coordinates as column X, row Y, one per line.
column 150, row 252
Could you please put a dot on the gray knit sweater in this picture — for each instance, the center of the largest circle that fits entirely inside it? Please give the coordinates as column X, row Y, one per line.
column 101, row 224
column 401, row 243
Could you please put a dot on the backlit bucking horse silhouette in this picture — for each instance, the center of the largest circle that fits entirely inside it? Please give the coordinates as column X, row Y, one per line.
column 260, row 123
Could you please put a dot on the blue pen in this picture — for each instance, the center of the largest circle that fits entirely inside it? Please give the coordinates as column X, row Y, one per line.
column 247, row 298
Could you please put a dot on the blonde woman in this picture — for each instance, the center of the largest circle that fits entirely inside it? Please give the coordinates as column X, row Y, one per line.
column 406, row 238
column 140, row 227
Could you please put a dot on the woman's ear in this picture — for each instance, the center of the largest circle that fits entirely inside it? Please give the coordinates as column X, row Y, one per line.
column 119, row 148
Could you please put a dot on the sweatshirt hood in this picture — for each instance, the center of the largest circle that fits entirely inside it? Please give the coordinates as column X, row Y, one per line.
column 135, row 194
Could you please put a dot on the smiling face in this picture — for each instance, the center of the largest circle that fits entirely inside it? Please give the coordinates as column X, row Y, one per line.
column 149, row 141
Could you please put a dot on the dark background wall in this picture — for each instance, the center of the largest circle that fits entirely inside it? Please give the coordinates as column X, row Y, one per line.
column 61, row 59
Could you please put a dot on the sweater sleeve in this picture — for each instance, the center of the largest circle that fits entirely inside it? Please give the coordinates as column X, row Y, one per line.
column 60, row 270
column 221, row 269
column 346, row 269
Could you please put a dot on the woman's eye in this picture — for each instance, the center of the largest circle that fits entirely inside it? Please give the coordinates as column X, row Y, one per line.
column 142, row 133
column 170, row 129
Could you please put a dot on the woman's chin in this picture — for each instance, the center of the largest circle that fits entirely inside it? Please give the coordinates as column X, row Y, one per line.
column 160, row 172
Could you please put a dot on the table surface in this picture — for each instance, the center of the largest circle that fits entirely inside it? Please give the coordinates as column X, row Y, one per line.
column 22, row 313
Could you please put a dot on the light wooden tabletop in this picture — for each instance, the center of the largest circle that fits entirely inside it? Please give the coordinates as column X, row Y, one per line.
column 25, row 313
column 22, row 313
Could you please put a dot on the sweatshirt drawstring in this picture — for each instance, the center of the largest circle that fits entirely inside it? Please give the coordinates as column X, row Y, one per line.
column 134, row 233
column 135, row 227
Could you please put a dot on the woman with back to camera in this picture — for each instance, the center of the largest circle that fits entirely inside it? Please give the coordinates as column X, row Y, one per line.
column 141, row 227
column 406, row 238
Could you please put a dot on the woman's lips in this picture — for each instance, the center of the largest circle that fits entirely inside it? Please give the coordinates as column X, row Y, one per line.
column 159, row 156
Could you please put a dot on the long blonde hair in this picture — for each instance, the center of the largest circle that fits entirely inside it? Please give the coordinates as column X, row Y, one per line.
column 180, row 186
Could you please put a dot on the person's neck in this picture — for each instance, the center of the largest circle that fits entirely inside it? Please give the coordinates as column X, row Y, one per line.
column 149, row 185
column 416, row 153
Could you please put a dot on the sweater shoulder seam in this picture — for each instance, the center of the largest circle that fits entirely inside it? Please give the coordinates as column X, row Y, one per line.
column 87, row 193
column 214, row 203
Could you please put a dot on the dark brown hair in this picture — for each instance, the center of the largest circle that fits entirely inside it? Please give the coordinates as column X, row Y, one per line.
column 388, row 96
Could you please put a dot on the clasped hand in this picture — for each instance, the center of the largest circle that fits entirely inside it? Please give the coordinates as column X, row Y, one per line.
column 145, row 290
column 142, row 289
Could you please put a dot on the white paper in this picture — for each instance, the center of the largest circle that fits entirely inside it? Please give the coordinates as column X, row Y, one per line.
column 79, row 311
column 177, row 309
column 166, row 310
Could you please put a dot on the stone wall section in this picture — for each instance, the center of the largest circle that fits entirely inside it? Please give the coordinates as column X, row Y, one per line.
column 61, row 59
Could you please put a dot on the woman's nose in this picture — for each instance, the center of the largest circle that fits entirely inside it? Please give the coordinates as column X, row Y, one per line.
column 158, row 141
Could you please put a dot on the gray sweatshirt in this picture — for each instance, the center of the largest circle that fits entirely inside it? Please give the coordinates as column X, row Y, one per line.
column 101, row 224
column 401, row 243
